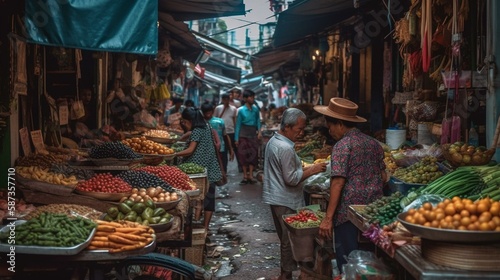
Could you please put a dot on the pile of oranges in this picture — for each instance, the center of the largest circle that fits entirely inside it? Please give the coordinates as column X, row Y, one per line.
column 458, row 214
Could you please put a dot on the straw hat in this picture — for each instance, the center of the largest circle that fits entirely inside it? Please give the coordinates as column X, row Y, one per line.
column 340, row 108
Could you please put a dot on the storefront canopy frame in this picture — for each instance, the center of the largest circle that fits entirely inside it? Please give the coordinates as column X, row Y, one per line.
column 210, row 43
column 182, row 41
column 310, row 17
column 184, row 10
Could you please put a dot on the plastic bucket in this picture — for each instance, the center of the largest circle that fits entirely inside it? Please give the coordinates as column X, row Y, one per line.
column 395, row 137
column 424, row 135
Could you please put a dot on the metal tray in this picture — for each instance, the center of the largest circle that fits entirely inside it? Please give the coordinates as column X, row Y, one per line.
column 43, row 250
column 121, row 255
column 299, row 231
column 163, row 227
column 162, row 140
column 193, row 192
column 450, row 235
column 167, row 205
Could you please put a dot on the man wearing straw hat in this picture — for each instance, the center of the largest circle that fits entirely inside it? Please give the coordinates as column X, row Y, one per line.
column 358, row 174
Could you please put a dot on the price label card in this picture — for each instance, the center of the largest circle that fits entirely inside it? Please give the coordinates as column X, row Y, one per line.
column 25, row 140
column 37, row 138
column 63, row 114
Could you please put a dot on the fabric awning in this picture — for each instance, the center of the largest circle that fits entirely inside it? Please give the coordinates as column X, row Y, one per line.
column 104, row 25
column 182, row 41
column 226, row 69
column 184, row 10
column 270, row 61
column 212, row 44
column 213, row 78
column 311, row 17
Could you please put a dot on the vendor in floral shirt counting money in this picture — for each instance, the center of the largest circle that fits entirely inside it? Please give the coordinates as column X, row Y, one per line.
column 358, row 174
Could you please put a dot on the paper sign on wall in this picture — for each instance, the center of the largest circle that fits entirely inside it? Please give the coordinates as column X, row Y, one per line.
column 25, row 141
column 63, row 114
column 37, row 138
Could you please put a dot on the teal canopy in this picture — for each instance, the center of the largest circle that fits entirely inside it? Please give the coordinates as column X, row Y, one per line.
column 104, row 25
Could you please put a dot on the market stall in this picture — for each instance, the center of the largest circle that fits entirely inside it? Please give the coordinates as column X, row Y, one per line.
column 131, row 180
column 441, row 218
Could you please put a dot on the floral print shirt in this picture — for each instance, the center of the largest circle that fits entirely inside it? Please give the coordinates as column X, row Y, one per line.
column 358, row 158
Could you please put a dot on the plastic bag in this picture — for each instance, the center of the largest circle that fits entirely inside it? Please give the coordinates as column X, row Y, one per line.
column 411, row 156
column 145, row 118
column 418, row 202
column 321, row 180
column 365, row 265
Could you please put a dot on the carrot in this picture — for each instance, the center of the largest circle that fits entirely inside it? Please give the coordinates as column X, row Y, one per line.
column 146, row 234
column 119, row 239
column 113, row 224
column 90, row 247
column 100, row 238
column 149, row 240
column 106, row 228
column 130, row 236
column 102, row 233
column 130, row 230
column 128, row 248
column 115, row 245
column 100, row 244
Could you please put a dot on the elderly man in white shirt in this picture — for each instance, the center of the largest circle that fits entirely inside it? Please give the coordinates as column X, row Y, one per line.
column 283, row 173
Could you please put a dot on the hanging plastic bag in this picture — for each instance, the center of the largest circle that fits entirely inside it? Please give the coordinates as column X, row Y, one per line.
column 164, row 92
column 77, row 108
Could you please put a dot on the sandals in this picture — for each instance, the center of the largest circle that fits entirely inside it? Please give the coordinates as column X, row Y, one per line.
column 251, row 181
column 248, row 181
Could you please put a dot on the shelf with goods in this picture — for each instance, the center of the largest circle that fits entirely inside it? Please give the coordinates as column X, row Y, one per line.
column 409, row 256
column 428, row 251
column 36, row 191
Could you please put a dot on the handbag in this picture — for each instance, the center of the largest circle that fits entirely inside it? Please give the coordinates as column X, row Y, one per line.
column 222, row 181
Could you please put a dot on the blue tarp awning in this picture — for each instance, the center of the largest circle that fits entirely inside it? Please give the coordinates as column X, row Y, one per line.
column 106, row 25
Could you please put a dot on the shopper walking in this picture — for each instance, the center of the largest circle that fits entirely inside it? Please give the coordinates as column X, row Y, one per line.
column 218, row 125
column 247, row 135
column 201, row 150
column 228, row 113
column 283, row 173
column 358, row 174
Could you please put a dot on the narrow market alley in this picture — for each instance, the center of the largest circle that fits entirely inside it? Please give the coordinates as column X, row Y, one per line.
column 242, row 242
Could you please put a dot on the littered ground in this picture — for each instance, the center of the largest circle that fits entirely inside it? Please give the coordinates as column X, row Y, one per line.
column 242, row 242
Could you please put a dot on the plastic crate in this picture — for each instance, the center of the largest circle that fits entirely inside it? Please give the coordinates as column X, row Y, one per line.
column 397, row 185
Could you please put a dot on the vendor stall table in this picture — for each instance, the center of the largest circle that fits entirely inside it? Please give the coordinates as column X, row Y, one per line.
column 178, row 236
column 410, row 258
column 97, row 262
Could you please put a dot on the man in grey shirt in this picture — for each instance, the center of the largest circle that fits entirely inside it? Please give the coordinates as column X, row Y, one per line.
column 283, row 173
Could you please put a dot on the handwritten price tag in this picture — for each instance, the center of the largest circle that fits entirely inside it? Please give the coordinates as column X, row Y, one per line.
column 25, row 140
column 63, row 114
column 37, row 138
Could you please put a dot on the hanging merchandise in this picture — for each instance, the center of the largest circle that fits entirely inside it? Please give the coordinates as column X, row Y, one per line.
column 163, row 58
column 426, row 34
column 455, row 127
